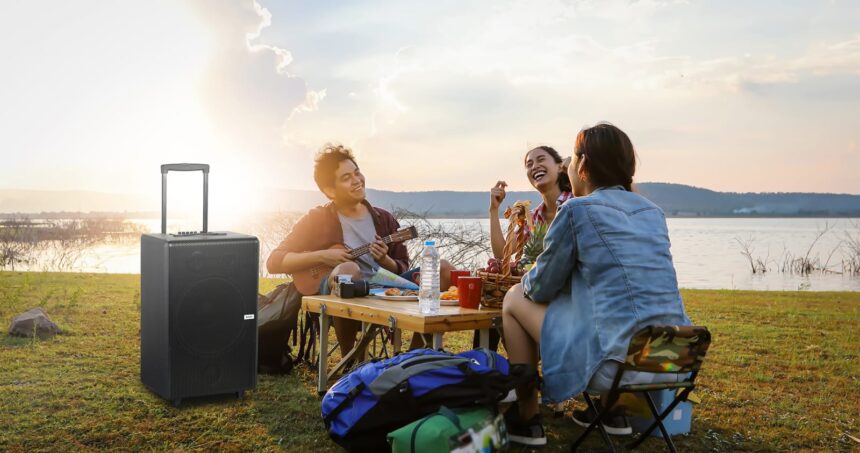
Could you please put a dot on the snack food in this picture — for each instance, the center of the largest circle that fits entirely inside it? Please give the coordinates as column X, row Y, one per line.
column 392, row 292
column 451, row 294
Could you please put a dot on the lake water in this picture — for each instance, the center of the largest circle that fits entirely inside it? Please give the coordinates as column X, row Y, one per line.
column 706, row 252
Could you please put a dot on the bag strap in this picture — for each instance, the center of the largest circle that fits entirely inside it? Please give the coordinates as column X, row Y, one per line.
column 308, row 336
column 443, row 412
column 270, row 297
column 346, row 401
column 392, row 377
column 450, row 415
column 295, row 332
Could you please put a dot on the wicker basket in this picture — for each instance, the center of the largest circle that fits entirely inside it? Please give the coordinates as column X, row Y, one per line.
column 496, row 285
column 494, row 288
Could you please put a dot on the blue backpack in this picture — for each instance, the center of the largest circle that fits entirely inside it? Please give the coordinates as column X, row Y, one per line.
column 381, row 396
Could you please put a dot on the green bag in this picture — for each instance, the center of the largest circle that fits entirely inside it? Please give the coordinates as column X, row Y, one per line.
column 463, row 430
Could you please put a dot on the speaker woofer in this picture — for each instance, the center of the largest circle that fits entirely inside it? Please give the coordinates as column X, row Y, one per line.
column 209, row 319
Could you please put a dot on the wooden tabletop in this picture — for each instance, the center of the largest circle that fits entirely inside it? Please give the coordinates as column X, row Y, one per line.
column 405, row 313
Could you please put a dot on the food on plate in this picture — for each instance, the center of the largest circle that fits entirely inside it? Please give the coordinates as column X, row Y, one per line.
column 451, row 294
column 400, row 292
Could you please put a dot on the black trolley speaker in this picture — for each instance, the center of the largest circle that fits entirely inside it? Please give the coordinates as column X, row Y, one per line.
column 198, row 308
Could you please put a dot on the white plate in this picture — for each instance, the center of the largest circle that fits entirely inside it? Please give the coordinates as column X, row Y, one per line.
column 453, row 303
column 398, row 298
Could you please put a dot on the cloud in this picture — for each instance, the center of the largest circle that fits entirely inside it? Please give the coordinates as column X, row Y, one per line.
column 250, row 91
column 311, row 104
column 431, row 84
column 834, row 67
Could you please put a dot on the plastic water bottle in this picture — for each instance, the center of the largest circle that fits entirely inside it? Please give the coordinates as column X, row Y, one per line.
column 428, row 295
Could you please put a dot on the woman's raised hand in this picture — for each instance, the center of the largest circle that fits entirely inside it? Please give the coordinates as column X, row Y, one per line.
column 497, row 195
column 565, row 163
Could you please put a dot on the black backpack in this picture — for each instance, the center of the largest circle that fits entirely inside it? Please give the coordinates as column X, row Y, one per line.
column 277, row 320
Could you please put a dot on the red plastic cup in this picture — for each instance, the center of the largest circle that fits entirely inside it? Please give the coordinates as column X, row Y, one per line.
column 456, row 274
column 469, row 290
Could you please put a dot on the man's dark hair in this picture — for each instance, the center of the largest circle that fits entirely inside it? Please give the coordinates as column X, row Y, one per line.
column 326, row 162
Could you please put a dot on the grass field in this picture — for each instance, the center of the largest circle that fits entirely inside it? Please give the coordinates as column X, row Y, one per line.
column 782, row 374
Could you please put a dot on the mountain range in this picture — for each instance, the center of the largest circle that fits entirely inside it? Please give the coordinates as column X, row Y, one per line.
column 677, row 200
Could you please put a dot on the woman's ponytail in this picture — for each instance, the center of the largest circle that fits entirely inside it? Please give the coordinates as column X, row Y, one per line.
column 610, row 157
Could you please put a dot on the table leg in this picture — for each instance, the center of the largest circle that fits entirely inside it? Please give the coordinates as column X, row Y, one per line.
column 437, row 340
column 398, row 340
column 364, row 331
column 322, row 381
column 484, row 338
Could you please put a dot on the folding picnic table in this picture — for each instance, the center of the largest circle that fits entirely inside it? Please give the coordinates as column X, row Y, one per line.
column 377, row 313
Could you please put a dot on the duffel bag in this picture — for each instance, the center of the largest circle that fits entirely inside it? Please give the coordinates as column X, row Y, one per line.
column 380, row 396
column 464, row 430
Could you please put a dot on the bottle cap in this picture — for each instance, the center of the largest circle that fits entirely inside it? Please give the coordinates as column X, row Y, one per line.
column 430, row 242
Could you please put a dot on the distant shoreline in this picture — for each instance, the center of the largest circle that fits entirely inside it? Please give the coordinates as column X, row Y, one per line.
column 676, row 200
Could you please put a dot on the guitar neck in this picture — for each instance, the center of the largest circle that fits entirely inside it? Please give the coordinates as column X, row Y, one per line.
column 365, row 249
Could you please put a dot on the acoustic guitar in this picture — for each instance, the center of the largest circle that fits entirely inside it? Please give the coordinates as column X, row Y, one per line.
column 308, row 281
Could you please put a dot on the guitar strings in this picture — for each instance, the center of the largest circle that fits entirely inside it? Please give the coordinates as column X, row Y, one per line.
column 358, row 251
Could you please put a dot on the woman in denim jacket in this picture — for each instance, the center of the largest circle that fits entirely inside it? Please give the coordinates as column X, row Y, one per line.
column 606, row 271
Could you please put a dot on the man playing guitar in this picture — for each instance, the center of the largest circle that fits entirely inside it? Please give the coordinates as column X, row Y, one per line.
column 348, row 220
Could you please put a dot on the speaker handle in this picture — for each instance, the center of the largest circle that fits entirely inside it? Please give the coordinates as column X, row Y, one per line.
column 184, row 167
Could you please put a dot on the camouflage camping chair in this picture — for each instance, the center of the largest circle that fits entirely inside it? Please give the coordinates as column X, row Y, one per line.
column 654, row 349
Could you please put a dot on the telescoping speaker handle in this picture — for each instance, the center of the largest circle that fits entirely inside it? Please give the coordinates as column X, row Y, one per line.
column 184, row 167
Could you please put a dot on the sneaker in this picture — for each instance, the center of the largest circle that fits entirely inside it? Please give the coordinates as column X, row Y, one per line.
column 524, row 432
column 616, row 424
column 510, row 398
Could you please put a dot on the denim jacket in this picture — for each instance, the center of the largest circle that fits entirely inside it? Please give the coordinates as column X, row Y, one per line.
column 606, row 272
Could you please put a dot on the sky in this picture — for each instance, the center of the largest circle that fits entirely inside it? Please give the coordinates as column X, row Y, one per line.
column 443, row 95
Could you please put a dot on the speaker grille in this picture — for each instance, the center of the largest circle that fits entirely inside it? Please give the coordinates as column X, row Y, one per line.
column 209, row 317
column 210, row 325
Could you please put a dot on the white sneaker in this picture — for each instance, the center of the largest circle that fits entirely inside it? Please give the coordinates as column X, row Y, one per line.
column 616, row 425
column 511, row 397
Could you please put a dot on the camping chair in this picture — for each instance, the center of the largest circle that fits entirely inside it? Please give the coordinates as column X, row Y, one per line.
column 654, row 349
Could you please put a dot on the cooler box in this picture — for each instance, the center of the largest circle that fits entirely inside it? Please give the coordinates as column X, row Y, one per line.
column 677, row 422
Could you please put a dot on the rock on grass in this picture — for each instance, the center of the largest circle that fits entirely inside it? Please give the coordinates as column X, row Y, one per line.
column 34, row 322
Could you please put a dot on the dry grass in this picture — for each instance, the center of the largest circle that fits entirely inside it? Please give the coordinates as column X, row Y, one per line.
column 783, row 374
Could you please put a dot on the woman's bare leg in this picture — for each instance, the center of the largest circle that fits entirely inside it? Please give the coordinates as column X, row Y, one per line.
column 522, row 320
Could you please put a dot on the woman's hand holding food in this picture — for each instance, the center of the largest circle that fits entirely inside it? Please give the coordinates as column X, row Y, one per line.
column 497, row 195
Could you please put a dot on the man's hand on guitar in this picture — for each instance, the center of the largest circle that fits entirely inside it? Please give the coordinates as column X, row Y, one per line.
column 379, row 250
column 333, row 257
